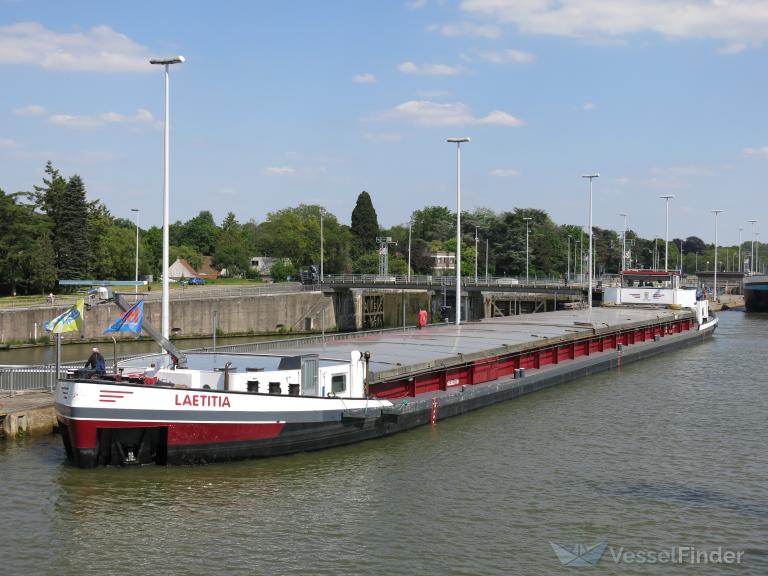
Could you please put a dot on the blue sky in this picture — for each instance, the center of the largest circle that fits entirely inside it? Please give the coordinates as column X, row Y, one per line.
column 282, row 103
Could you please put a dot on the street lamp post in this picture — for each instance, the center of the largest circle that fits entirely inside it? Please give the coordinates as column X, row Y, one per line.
column 581, row 260
column 458, row 142
column 752, row 248
column 624, row 244
column 165, row 314
column 486, row 261
column 589, row 286
column 716, row 213
column 136, row 276
column 475, row 255
column 667, row 197
column 741, row 264
column 527, row 221
column 568, row 265
column 410, row 226
column 322, row 251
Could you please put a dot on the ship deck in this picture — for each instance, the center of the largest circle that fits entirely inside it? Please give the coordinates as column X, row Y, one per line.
column 398, row 354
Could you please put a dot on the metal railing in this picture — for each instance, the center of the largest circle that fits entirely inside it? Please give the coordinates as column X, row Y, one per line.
column 184, row 293
column 421, row 280
column 24, row 378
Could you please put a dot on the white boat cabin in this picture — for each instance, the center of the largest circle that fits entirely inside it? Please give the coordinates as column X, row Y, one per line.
column 650, row 287
column 264, row 374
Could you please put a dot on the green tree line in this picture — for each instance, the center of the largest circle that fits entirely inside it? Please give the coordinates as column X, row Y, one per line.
column 54, row 232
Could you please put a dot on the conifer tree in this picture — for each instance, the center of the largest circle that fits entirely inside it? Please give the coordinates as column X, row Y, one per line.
column 365, row 225
column 71, row 233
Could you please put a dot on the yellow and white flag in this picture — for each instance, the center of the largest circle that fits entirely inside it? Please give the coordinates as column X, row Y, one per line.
column 69, row 321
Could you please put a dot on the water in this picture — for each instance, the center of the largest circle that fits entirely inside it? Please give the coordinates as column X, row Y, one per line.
column 669, row 451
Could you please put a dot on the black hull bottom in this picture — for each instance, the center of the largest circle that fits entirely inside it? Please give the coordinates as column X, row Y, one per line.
column 415, row 412
column 755, row 300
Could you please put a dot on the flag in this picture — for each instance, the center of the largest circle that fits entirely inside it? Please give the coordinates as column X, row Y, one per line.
column 69, row 321
column 130, row 321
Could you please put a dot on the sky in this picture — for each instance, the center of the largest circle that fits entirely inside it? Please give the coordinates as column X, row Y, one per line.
column 281, row 103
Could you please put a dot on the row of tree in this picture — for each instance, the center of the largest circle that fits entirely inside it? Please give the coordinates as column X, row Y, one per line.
column 54, row 232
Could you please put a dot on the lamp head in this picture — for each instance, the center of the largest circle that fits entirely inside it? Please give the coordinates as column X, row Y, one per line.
column 457, row 140
column 169, row 60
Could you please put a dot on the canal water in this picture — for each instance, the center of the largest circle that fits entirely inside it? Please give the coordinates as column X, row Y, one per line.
column 668, row 452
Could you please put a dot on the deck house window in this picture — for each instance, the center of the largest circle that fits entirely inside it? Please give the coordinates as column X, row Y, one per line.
column 338, row 383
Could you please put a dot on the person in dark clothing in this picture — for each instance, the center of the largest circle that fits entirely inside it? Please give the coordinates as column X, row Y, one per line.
column 96, row 362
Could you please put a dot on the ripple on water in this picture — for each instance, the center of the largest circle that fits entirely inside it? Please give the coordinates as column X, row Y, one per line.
column 666, row 451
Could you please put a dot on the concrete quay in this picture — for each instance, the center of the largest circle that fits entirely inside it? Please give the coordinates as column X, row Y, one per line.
column 27, row 413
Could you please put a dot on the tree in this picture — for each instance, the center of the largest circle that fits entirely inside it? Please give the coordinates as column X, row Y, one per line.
column 434, row 223
column 27, row 259
column 365, row 225
column 71, row 232
column 200, row 233
column 283, row 270
column 231, row 252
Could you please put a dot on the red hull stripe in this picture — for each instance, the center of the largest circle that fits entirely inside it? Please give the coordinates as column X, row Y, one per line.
column 82, row 433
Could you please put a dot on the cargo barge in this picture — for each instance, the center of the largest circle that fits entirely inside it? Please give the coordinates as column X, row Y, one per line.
column 214, row 407
column 756, row 293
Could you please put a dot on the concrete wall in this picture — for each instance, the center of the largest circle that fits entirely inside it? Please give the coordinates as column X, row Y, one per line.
column 239, row 314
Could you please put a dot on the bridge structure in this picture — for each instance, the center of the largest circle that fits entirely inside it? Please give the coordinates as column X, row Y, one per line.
column 376, row 300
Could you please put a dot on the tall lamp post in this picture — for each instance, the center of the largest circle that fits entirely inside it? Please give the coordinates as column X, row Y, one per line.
column 410, row 227
column 165, row 315
column 667, row 197
column 568, row 260
column 527, row 221
column 741, row 263
column 752, row 250
column 136, row 286
column 458, row 142
column 716, row 213
column 624, row 244
column 589, row 286
column 475, row 255
column 486, row 261
column 322, row 251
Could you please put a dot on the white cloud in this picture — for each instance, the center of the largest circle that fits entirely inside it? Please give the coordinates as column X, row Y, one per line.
column 8, row 143
column 364, row 79
column 415, row 4
column 99, row 49
column 466, row 29
column 622, row 180
column 429, row 69
column 735, row 21
column 587, row 106
column 278, row 170
column 383, row 137
column 506, row 56
column 505, row 172
column 500, row 118
column 31, row 110
column 141, row 117
column 761, row 151
column 426, row 113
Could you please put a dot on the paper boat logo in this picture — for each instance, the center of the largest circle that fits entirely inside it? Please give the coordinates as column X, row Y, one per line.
column 579, row 554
